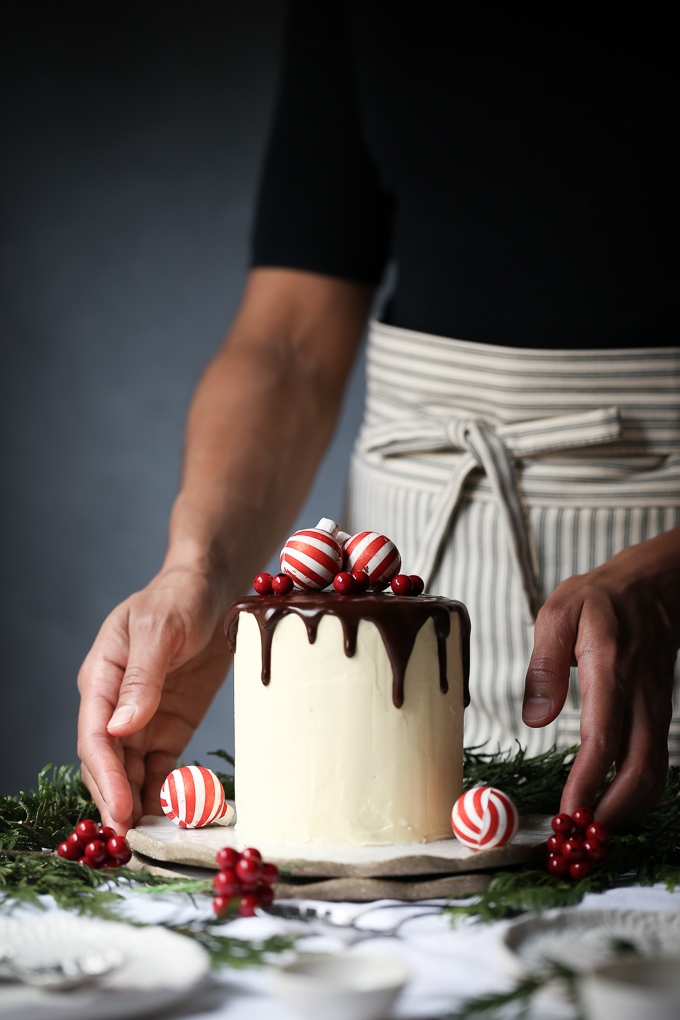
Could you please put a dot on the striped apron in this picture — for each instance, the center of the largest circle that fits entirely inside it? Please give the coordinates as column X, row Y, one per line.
column 499, row 472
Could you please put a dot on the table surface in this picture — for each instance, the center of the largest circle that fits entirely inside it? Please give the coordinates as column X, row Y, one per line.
column 448, row 964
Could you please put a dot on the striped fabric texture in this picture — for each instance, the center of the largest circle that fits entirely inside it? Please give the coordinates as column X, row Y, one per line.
column 499, row 472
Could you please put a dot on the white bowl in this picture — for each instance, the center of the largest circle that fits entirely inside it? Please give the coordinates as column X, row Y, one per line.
column 633, row 989
column 341, row 987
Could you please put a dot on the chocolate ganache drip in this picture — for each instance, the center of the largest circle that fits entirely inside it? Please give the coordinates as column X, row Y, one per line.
column 398, row 618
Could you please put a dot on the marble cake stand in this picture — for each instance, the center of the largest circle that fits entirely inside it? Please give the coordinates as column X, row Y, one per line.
column 412, row 872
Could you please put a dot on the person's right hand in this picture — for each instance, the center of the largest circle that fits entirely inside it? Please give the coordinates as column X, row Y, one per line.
column 145, row 685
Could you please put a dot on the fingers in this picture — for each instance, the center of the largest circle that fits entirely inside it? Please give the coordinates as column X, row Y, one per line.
column 120, row 827
column 152, row 645
column 547, row 679
column 99, row 753
column 642, row 761
column 157, row 766
column 605, row 695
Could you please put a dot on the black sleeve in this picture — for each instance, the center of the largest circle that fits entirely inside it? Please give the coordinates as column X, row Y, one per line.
column 321, row 206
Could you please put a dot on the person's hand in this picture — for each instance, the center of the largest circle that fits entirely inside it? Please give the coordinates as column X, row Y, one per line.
column 620, row 624
column 145, row 685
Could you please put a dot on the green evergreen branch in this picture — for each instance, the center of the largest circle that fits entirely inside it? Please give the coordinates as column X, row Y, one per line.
column 34, row 822
column 535, row 784
column 494, row 1005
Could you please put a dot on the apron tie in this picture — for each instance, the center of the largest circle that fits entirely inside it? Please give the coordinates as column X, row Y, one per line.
column 494, row 449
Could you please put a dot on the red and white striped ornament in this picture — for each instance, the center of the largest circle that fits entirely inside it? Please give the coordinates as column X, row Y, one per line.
column 193, row 796
column 313, row 557
column 484, row 818
column 374, row 553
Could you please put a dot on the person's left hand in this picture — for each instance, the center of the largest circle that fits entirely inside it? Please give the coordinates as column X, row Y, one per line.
column 620, row 624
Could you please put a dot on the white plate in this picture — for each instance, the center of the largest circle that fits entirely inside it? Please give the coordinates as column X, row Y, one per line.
column 584, row 939
column 159, row 966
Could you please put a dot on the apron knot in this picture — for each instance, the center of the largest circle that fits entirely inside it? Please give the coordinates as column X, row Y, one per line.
column 495, row 449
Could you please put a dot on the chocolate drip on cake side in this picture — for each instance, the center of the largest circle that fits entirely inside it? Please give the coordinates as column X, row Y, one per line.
column 398, row 618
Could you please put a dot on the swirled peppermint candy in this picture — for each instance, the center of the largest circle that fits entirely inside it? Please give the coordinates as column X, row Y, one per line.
column 375, row 554
column 312, row 557
column 484, row 818
column 193, row 796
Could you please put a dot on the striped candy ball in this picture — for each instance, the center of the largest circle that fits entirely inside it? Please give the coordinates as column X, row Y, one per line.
column 313, row 557
column 375, row 554
column 484, row 818
column 193, row 796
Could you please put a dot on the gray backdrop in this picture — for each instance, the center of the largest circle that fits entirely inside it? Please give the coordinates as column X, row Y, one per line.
column 132, row 146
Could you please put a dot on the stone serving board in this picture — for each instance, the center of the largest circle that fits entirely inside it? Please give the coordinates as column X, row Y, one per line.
column 159, row 840
column 342, row 890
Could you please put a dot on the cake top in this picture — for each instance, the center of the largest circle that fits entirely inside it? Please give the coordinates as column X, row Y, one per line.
column 399, row 618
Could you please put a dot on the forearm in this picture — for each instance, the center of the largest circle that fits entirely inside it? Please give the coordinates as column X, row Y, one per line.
column 260, row 420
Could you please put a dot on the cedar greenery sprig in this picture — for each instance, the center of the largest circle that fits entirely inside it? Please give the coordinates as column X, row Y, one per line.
column 649, row 854
column 236, row 952
column 43, row 819
column 535, row 784
column 226, row 778
column 32, row 824
column 494, row 1005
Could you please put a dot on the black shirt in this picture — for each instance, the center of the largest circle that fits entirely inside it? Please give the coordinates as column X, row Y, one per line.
column 517, row 169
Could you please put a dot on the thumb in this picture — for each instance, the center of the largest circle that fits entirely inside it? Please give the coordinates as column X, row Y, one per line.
column 547, row 679
column 151, row 649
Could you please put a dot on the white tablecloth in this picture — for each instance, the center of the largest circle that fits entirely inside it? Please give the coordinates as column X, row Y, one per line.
column 448, row 964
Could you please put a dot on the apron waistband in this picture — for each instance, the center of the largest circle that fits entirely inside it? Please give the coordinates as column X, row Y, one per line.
column 494, row 449
column 429, row 395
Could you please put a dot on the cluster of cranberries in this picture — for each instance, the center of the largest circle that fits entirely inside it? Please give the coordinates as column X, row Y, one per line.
column 345, row 583
column 244, row 876
column 576, row 844
column 95, row 846
column 280, row 584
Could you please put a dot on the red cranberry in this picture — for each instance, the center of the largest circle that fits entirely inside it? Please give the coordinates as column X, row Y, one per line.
column 69, row 851
column 248, row 870
column 556, row 842
column 86, row 863
column 344, row 583
column 227, row 857
column 96, row 851
column 361, row 579
column 596, row 830
column 119, row 848
column 225, row 883
column 263, row 584
column 109, row 863
column 596, row 851
column 580, row 869
column 246, row 907
column 105, row 832
column 265, row 895
column 562, row 824
column 220, row 904
column 282, row 584
column 269, row 874
column 75, row 838
column 582, row 818
column 251, row 854
column 418, row 584
column 572, row 849
column 558, row 866
column 402, row 584
column 87, row 830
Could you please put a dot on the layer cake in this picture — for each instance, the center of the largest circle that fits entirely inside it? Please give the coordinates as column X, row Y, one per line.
column 348, row 717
